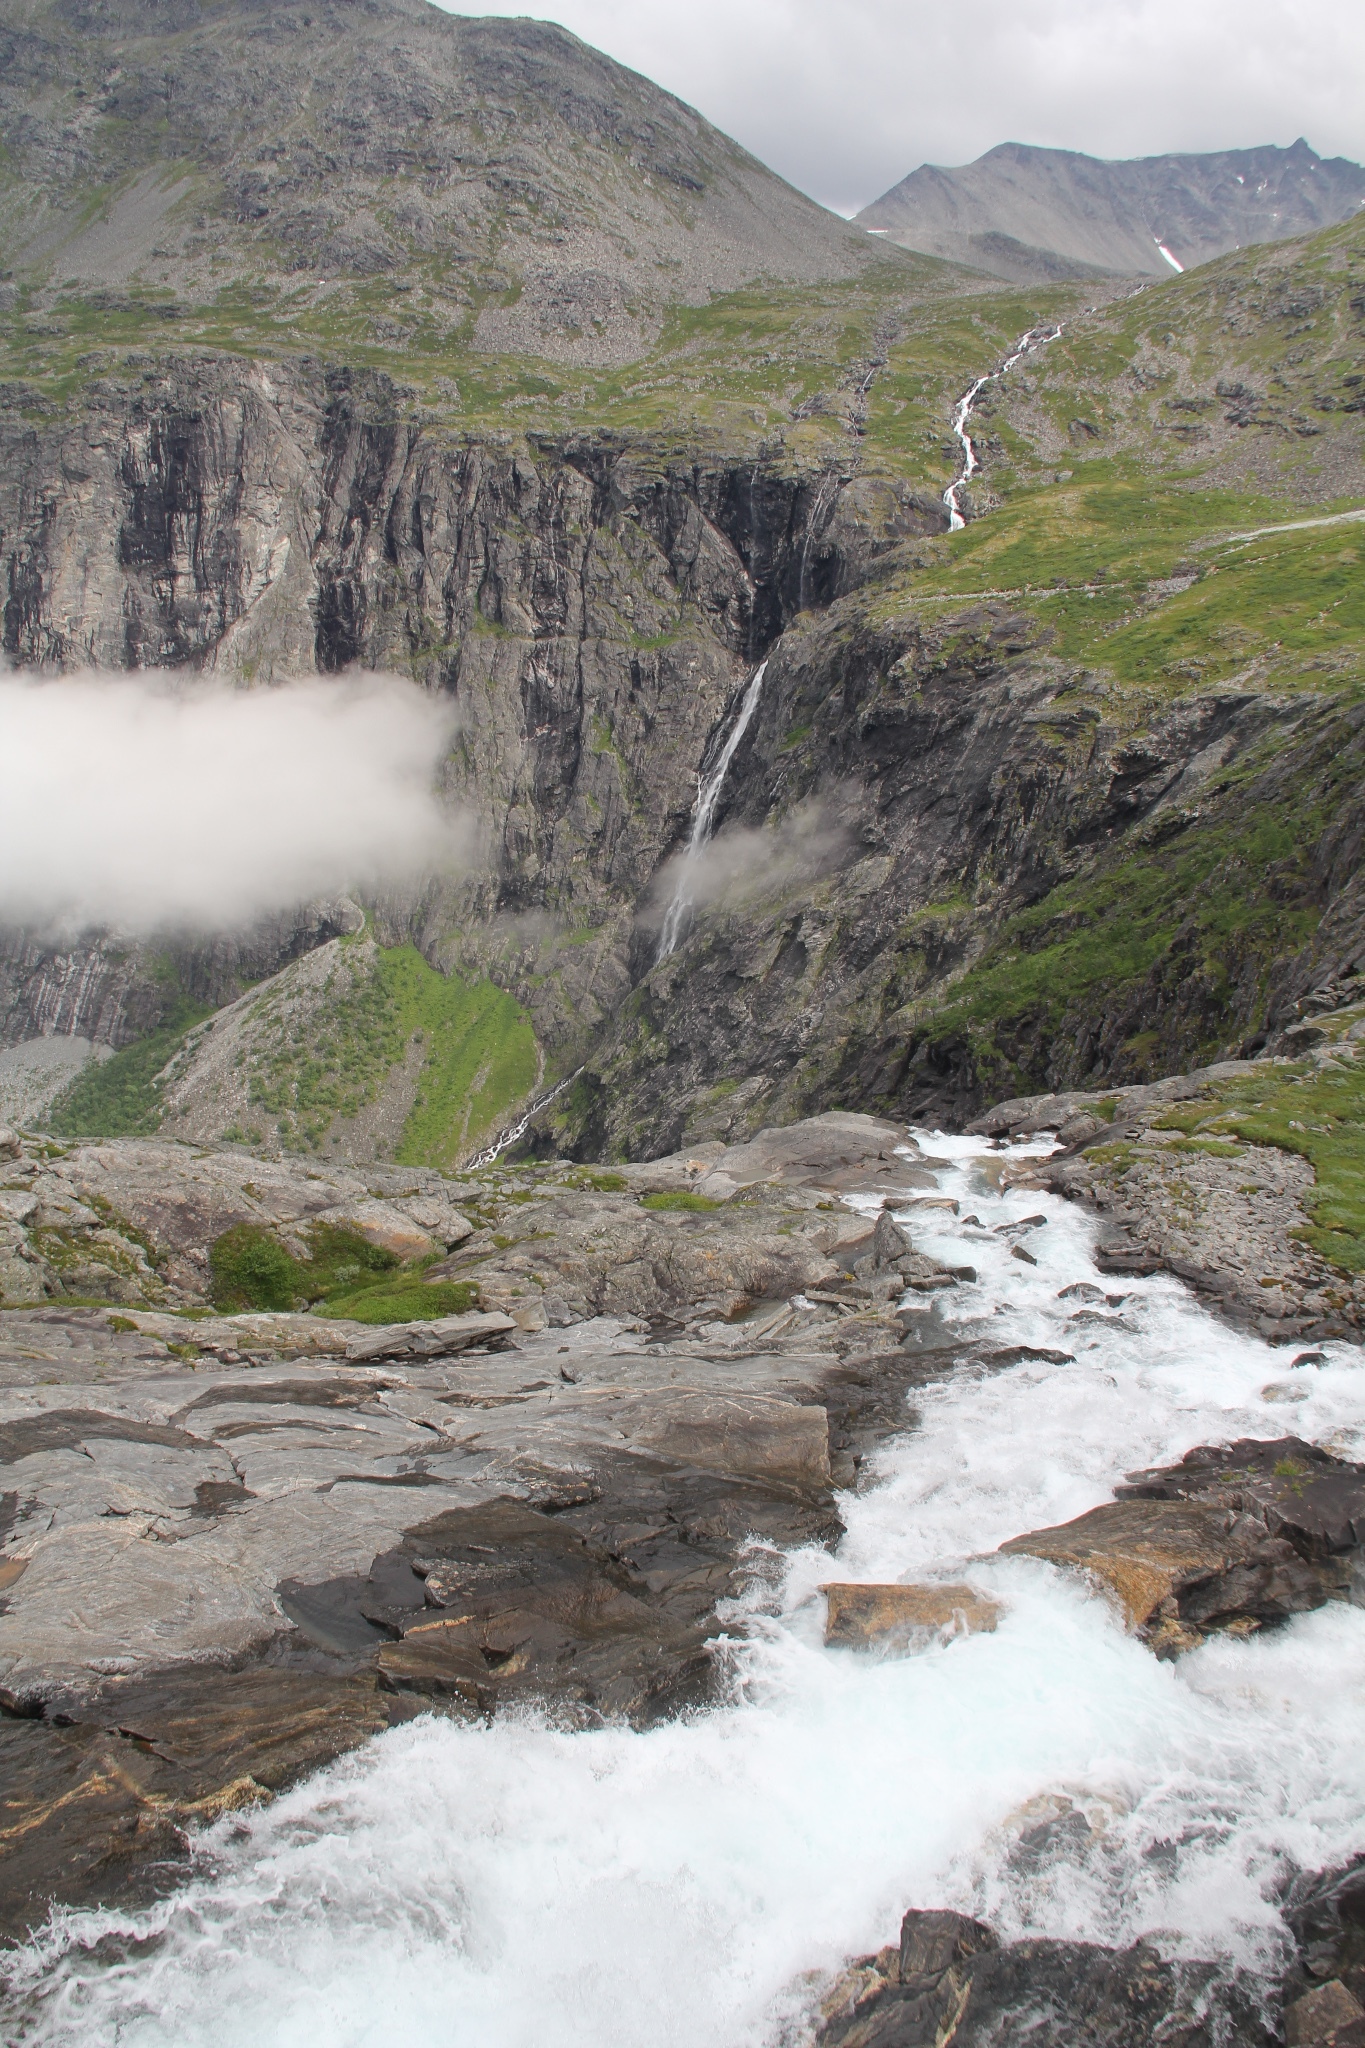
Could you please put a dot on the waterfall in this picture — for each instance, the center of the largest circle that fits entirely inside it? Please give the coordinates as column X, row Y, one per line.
column 1035, row 338
column 491, row 1154
column 703, row 819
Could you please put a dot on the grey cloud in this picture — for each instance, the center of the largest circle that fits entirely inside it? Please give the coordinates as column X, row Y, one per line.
column 845, row 100
column 149, row 802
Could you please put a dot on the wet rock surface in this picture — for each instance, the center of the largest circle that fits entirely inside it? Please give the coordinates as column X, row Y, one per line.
column 233, row 1545
column 1231, row 1539
column 950, row 1979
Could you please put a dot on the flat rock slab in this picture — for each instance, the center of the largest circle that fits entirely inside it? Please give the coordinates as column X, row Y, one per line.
column 88, row 1808
column 892, row 1617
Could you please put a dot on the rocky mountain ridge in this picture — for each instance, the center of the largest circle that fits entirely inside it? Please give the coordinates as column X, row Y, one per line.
column 381, row 168
column 1023, row 213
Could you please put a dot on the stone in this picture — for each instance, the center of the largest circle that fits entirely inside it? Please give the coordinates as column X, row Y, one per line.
column 1323, row 2017
column 890, row 1244
column 866, row 1616
column 953, row 1981
column 442, row 1337
column 1233, row 1537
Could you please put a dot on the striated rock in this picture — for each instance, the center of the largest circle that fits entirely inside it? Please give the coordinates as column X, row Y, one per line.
column 99, row 1804
column 890, row 1617
column 445, row 1337
column 1230, row 1539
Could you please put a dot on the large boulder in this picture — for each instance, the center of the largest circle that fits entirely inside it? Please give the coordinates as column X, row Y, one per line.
column 1231, row 1538
column 950, row 1980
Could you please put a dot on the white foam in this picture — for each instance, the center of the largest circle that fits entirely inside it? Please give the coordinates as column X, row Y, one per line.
column 519, row 1885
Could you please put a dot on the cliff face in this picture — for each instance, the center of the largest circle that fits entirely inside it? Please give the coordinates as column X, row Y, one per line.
column 906, row 816
column 590, row 608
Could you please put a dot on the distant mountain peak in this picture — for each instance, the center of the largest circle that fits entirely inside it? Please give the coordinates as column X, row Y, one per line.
column 1024, row 212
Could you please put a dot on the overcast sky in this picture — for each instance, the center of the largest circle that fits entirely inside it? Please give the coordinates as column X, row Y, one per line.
column 844, row 97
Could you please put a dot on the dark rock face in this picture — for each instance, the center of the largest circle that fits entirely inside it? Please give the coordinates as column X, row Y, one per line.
column 96, row 1804
column 1233, row 1538
column 950, row 1980
column 1326, row 1914
column 1026, row 213
column 604, row 1605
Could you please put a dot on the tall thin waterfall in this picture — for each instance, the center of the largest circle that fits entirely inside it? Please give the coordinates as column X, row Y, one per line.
column 1035, row 338
column 703, row 818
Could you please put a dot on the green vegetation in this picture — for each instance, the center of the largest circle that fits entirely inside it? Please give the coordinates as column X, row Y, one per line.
column 679, row 1198
column 1145, row 583
column 481, row 1057
column 1317, row 1111
column 343, row 1275
column 417, row 1301
column 313, row 1063
column 121, row 1097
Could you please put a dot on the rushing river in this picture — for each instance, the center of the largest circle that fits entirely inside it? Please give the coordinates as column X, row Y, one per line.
column 520, row 1887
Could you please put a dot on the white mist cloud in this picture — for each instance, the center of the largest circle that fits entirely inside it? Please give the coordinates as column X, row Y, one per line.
column 138, row 802
column 743, row 866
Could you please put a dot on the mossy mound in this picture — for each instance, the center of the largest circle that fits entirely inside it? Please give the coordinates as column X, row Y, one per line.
column 344, row 1275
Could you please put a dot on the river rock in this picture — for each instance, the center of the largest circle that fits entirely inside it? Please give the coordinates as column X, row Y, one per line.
column 951, row 1981
column 1325, row 1912
column 1327, row 2017
column 1232, row 1538
column 866, row 1616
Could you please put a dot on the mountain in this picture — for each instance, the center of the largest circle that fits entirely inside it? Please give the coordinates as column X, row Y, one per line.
column 1066, row 798
column 379, row 161
column 1022, row 213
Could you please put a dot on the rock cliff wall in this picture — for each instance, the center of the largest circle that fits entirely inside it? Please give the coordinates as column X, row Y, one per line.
column 590, row 606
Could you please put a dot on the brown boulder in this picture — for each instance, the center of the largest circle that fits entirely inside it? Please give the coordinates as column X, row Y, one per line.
column 860, row 1616
column 1232, row 1538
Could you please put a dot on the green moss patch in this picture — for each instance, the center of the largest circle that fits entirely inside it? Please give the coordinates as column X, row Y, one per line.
column 417, row 1301
column 680, row 1198
column 1318, row 1112
column 477, row 1050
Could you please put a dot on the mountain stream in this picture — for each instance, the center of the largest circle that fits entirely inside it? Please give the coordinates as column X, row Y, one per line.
column 519, row 1886
column 1035, row 338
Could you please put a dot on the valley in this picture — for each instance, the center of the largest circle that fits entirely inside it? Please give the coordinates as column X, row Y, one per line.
column 728, row 1409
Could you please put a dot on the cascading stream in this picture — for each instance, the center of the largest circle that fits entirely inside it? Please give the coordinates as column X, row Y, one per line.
column 703, row 821
column 1035, row 338
column 491, row 1154
column 451, row 1886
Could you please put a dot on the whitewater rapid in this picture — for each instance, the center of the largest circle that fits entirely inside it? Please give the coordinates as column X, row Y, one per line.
column 1035, row 338
column 523, row 1887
